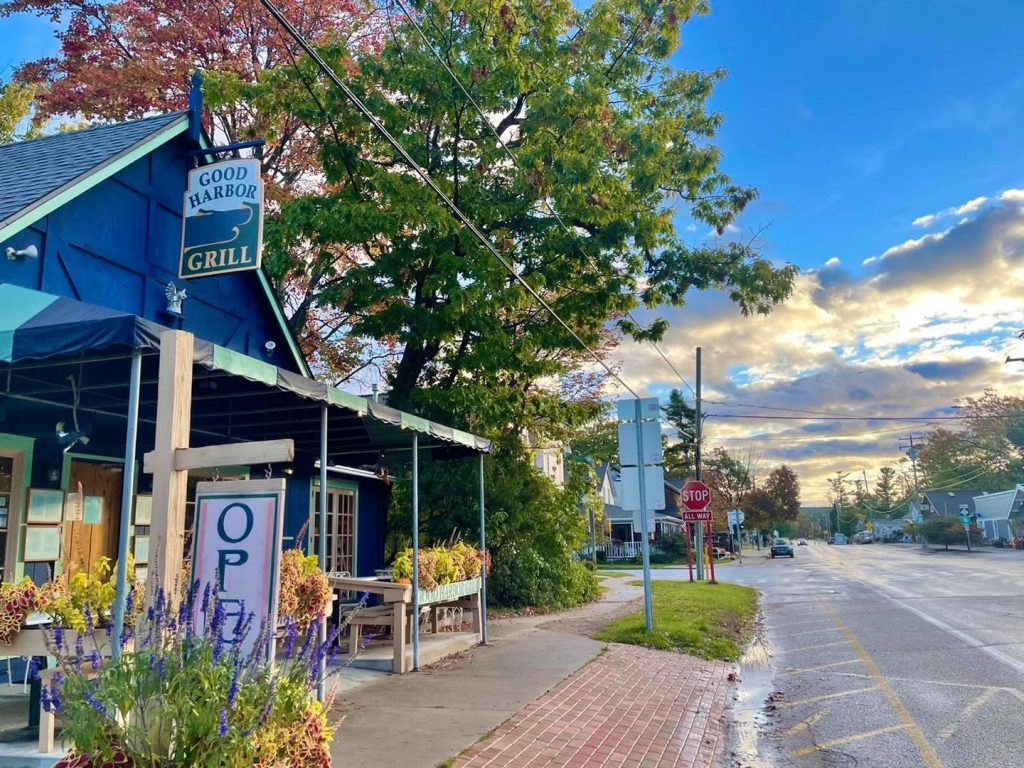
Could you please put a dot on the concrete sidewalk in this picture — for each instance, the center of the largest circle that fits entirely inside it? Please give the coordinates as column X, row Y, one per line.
column 631, row 707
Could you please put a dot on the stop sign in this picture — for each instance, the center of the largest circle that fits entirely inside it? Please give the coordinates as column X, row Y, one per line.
column 696, row 495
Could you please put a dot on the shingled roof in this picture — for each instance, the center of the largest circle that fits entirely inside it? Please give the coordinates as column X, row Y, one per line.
column 32, row 172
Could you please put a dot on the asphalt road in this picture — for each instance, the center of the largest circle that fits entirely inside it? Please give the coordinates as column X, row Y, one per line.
column 883, row 655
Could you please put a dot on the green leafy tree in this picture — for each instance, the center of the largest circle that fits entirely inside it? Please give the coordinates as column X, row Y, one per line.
column 944, row 531
column 16, row 104
column 597, row 440
column 605, row 133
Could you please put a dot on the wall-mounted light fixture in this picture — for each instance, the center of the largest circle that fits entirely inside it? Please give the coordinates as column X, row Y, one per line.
column 269, row 348
column 53, row 475
column 29, row 252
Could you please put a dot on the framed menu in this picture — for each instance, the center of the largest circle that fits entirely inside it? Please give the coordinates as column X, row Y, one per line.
column 42, row 543
column 45, row 505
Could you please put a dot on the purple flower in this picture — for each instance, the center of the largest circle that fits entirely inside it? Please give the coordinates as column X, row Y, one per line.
column 58, row 638
column 94, row 658
column 129, row 603
column 95, row 703
column 87, row 613
column 293, row 633
column 207, row 592
column 33, row 668
column 233, row 690
column 222, row 727
column 79, row 646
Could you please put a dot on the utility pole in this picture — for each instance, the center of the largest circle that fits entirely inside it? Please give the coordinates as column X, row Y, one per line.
column 912, row 455
column 697, row 459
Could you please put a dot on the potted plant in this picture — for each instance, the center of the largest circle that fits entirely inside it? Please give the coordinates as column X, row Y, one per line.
column 401, row 569
column 17, row 600
column 305, row 593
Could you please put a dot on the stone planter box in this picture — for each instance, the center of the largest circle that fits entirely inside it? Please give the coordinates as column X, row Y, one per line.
column 447, row 592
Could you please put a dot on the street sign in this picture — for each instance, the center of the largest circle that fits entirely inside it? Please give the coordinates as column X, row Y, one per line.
column 650, row 408
column 652, row 443
column 695, row 496
column 697, row 516
column 736, row 516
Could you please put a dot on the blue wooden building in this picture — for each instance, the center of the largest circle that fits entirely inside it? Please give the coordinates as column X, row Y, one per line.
column 90, row 239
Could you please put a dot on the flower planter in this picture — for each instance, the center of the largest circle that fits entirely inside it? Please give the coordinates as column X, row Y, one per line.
column 447, row 592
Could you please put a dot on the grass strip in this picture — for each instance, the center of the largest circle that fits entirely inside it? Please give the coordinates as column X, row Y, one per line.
column 713, row 621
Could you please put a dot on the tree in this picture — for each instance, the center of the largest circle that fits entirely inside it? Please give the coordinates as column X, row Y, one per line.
column 680, row 451
column 783, row 490
column 590, row 146
column 885, row 487
column 731, row 478
column 16, row 100
column 597, row 440
column 943, row 530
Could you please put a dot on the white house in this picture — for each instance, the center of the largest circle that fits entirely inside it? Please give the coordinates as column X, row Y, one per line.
column 1001, row 515
column 623, row 526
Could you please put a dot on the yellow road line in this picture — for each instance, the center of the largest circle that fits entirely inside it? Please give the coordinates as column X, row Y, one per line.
column 924, row 747
column 814, row 647
column 826, row 697
column 804, row 724
column 845, row 740
column 969, row 711
column 821, row 666
column 814, row 631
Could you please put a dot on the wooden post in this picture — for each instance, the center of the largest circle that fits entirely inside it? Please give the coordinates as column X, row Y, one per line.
column 170, row 484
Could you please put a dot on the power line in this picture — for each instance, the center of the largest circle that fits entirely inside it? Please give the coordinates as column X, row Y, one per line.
column 837, row 417
column 425, row 177
column 515, row 161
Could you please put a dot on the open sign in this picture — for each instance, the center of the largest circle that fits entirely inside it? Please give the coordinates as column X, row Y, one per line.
column 237, row 550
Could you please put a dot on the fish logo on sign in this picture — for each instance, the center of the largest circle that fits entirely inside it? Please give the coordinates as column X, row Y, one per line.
column 222, row 224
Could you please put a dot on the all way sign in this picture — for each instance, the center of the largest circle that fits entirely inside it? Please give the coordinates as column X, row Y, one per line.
column 696, row 498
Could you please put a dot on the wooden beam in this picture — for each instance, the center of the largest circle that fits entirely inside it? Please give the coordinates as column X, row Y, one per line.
column 227, row 455
column 170, row 485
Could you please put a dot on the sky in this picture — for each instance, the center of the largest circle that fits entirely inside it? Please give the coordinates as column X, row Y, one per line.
column 884, row 139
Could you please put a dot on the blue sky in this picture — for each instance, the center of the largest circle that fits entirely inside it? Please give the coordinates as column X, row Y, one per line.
column 854, row 117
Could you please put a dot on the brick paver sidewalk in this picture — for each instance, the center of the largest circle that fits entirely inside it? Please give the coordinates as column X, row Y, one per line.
column 631, row 707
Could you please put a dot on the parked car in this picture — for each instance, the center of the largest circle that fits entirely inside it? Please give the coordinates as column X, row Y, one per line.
column 831, row 539
column 781, row 548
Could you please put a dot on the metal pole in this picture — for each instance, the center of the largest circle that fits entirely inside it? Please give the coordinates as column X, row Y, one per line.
column 321, row 686
column 416, row 553
column 689, row 550
column 127, row 491
column 483, row 552
column 699, row 543
column 644, row 545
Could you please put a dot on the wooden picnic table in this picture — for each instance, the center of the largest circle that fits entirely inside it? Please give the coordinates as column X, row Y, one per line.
column 398, row 599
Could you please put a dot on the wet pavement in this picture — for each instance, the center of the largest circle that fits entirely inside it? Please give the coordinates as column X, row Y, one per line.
column 883, row 655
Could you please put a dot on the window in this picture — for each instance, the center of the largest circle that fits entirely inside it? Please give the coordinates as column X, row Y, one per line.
column 6, row 489
column 340, row 550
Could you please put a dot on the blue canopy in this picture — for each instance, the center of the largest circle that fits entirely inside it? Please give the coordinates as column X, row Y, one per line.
column 35, row 325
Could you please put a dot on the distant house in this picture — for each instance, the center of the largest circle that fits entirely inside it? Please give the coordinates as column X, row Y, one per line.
column 548, row 458
column 624, row 527
column 1001, row 515
column 944, row 504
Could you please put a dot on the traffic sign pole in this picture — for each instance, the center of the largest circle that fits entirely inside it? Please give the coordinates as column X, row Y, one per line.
column 689, row 550
column 645, row 548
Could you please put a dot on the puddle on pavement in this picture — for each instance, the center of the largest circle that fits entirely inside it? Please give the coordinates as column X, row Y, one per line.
column 749, row 716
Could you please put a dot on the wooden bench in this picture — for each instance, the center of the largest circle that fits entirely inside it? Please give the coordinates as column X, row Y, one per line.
column 393, row 615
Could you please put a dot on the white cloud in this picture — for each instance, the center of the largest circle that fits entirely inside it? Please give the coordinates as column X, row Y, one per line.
column 931, row 321
column 971, row 206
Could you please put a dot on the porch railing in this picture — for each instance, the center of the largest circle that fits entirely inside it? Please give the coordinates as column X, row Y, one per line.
column 627, row 550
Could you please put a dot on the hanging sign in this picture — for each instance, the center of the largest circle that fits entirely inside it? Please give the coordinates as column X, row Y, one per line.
column 222, row 225
column 237, row 548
